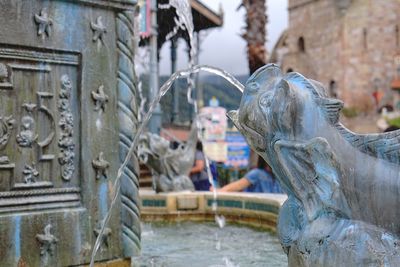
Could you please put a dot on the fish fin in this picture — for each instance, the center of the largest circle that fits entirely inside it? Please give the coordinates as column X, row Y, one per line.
column 319, row 87
column 384, row 146
column 331, row 108
column 291, row 221
column 313, row 173
column 265, row 73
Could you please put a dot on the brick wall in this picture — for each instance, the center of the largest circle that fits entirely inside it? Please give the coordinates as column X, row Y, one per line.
column 352, row 43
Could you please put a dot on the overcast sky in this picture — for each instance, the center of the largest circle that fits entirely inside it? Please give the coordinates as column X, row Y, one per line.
column 223, row 47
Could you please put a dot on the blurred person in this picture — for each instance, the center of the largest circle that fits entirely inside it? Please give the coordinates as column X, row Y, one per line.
column 198, row 173
column 257, row 180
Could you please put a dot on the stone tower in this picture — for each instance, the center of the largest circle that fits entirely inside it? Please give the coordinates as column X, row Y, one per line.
column 349, row 45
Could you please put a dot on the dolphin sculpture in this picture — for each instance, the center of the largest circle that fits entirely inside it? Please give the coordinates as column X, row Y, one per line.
column 170, row 167
column 343, row 188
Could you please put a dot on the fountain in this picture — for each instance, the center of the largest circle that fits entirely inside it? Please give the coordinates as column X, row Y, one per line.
column 170, row 167
column 342, row 187
column 163, row 90
column 67, row 198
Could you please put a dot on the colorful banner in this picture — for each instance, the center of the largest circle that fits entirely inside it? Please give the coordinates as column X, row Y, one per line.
column 215, row 122
column 238, row 151
column 216, row 151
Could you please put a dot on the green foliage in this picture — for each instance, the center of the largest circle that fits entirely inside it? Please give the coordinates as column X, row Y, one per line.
column 394, row 122
column 229, row 175
column 350, row 112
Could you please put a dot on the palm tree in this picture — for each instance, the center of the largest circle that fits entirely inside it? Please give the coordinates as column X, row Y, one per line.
column 255, row 36
column 255, row 32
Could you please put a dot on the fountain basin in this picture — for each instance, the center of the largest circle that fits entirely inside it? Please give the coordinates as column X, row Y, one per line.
column 179, row 229
column 255, row 210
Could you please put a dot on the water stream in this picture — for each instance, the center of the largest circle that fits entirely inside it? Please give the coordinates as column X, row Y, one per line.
column 163, row 90
column 183, row 21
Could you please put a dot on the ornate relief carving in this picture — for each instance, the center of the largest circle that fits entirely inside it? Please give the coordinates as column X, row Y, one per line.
column 100, row 98
column 98, row 30
column 5, row 77
column 47, row 242
column 27, row 135
column 36, row 76
column 44, row 23
column 30, row 173
column 100, row 165
column 49, row 138
column 46, row 141
column 6, row 126
column 66, row 123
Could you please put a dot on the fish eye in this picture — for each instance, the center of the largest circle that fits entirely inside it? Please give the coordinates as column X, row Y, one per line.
column 253, row 86
column 266, row 99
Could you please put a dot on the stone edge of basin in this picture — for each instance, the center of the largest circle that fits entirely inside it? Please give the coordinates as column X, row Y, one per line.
column 255, row 210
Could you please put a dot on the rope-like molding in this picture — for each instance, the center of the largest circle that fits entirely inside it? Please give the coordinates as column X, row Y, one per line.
column 39, row 192
column 128, row 122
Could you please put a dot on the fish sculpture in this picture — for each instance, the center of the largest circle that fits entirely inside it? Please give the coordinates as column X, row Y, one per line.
column 343, row 188
column 170, row 167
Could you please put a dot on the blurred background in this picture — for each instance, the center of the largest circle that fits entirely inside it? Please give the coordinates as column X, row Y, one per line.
column 351, row 46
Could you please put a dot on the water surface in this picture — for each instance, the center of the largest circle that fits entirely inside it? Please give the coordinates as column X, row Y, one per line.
column 190, row 244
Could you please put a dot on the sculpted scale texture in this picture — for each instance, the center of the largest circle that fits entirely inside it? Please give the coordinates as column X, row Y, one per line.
column 343, row 189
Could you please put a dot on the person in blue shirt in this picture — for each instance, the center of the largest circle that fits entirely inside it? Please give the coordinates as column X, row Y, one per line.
column 258, row 180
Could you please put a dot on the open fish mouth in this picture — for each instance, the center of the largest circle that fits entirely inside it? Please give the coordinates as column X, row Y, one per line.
column 233, row 115
column 257, row 139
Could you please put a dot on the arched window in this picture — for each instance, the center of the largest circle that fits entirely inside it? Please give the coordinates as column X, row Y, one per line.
column 333, row 89
column 301, row 44
column 289, row 70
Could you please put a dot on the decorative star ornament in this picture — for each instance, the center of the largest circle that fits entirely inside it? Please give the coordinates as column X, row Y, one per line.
column 98, row 29
column 106, row 233
column 100, row 98
column 44, row 23
column 48, row 242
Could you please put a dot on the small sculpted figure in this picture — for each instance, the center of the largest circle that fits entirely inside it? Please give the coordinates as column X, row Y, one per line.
column 343, row 188
column 170, row 167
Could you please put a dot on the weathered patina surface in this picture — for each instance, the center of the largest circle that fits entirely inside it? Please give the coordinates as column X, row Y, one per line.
column 343, row 188
column 170, row 166
column 67, row 112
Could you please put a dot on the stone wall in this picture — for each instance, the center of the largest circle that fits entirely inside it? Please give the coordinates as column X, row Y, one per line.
column 349, row 46
column 257, row 210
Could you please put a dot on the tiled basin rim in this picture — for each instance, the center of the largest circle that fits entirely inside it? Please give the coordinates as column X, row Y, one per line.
column 256, row 210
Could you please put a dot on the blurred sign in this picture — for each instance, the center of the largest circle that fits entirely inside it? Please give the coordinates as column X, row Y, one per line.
column 216, row 151
column 238, row 151
column 214, row 122
column 145, row 17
